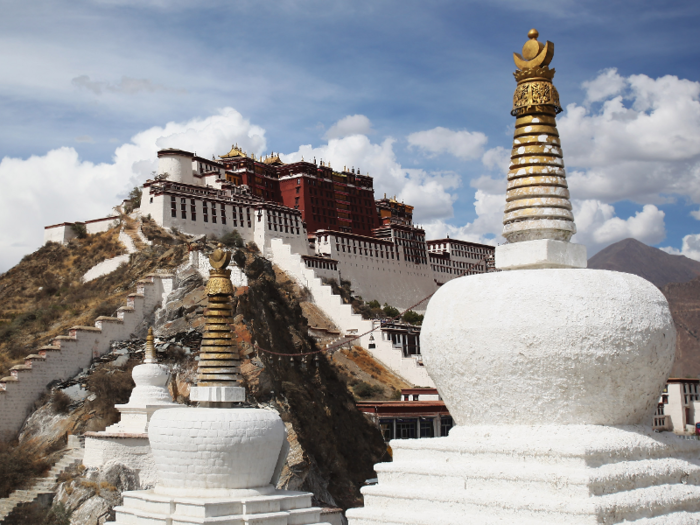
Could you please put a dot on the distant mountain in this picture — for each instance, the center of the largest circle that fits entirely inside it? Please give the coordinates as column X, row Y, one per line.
column 684, row 299
column 657, row 266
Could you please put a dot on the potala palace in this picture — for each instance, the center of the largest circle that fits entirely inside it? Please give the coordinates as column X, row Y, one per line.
column 329, row 218
column 551, row 372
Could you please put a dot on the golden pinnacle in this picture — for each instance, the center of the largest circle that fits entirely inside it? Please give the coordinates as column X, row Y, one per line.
column 150, row 354
column 537, row 200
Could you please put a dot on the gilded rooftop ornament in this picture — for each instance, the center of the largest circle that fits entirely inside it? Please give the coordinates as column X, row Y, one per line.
column 150, row 356
column 219, row 358
column 537, row 200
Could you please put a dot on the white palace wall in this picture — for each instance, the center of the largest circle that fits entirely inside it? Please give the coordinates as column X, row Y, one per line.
column 410, row 368
column 389, row 280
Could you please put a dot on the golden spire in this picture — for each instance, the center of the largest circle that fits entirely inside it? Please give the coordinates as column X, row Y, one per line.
column 537, row 200
column 219, row 359
column 235, row 152
column 150, row 356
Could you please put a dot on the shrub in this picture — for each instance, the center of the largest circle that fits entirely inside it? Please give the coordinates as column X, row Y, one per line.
column 390, row 311
column 79, row 229
column 365, row 390
column 374, row 304
column 412, row 317
column 18, row 465
column 60, row 402
column 252, row 247
column 232, row 239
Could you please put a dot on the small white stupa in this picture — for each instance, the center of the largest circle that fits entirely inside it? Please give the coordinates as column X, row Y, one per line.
column 127, row 441
column 218, row 463
column 551, row 371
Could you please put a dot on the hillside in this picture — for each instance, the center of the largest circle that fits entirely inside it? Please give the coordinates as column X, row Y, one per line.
column 654, row 265
column 43, row 296
column 684, row 299
column 334, row 446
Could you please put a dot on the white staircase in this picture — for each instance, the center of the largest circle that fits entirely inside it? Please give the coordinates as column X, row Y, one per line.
column 69, row 354
column 410, row 368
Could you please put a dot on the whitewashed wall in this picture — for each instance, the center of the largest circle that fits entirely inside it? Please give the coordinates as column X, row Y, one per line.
column 69, row 354
column 350, row 323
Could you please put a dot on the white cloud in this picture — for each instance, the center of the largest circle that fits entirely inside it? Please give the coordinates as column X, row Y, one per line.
column 428, row 192
column 607, row 84
column 691, row 247
column 497, row 158
column 462, row 144
column 696, row 214
column 61, row 187
column 642, row 144
column 350, row 125
column 598, row 226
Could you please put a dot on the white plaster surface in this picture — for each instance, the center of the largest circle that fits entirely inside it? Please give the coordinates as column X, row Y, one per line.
column 217, row 394
column 132, row 451
column 542, row 253
column 350, row 323
column 276, row 507
column 560, row 346
column 567, row 474
column 214, row 451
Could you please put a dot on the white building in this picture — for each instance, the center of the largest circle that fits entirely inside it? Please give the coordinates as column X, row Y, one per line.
column 679, row 406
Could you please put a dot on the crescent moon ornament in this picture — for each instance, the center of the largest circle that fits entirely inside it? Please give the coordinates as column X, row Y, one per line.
column 534, row 54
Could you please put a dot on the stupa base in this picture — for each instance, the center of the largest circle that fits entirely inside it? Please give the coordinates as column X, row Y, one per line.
column 574, row 474
column 280, row 507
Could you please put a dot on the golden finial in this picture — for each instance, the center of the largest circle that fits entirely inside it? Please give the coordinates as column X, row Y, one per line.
column 150, row 356
column 535, row 54
column 219, row 358
column 537, row 199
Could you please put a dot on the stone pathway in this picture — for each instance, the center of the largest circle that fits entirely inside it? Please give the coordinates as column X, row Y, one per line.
column 45, row 486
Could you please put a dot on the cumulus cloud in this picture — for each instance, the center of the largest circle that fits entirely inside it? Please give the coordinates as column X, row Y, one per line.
column 428, row 192
column 462, row 144
column 598, row 226
column 642, row 143
column 350, row 125
column 690, row 248
column 61, row 187
column 607, row 84
column 127, row 85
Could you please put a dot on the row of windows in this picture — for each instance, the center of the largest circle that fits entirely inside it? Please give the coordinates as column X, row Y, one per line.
column 413, row 428
column 209, row 211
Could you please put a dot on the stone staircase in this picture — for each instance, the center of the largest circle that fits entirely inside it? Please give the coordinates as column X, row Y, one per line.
column 43, row 487
column 68, row 354
column 133, row 229
column 350, row 324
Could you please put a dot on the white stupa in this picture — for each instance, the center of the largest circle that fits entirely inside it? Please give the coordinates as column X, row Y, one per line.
column 551, row 371
column 218, row 463
column 127, row 440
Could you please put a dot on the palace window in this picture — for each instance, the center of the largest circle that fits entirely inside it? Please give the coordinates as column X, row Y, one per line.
column 193, row 210
column 173, row 206
column 205, row 211
column 183, row 208
column 223, row 213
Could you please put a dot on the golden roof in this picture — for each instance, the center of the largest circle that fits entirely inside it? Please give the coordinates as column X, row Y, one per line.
column 235, row 152
column 273, row 159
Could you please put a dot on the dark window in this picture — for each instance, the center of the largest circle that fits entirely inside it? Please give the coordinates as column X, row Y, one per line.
column 387, row 428
column 427, row 429
column 406, row 428
column 193, row 210
column 183, row 208
column 205, row 211
column 445, row 425
column 223, row 213
column 173, row 206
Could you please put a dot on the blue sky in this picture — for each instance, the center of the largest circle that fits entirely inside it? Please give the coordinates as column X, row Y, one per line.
column 416, row 93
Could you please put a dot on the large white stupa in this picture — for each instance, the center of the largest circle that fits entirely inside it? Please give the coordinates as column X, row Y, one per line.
column 218, row 463
column 551, row 371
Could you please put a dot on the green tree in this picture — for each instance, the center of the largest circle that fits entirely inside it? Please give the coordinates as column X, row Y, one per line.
column 412, row 317
column 390, row 311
